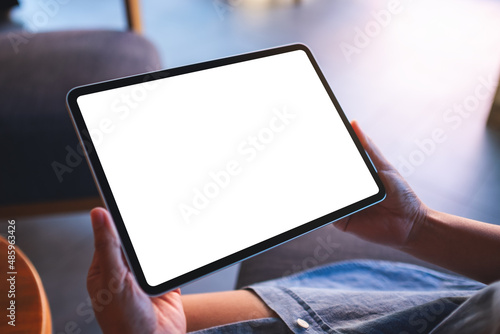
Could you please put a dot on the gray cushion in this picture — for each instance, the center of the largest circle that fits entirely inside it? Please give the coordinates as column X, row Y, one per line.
column 320, row 247
column 35, row 129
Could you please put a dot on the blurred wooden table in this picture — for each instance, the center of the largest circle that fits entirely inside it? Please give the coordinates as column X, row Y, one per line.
column 32, row 312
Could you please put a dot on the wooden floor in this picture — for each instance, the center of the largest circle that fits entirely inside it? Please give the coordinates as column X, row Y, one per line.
column 420, row 82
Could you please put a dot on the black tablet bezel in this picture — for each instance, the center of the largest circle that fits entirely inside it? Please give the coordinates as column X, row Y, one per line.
column 107, row 194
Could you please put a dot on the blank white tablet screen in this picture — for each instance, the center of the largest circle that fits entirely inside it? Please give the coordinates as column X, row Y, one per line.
column 205, row 164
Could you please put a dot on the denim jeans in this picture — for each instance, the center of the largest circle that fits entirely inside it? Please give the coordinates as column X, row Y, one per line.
column 362, row 296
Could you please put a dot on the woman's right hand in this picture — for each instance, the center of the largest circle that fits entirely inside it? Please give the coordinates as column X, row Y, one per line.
column 393, row 221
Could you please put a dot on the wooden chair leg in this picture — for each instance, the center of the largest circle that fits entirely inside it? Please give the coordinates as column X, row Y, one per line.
column 133, row 15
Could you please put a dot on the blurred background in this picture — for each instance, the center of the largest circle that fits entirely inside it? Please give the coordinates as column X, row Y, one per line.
column 419, row 76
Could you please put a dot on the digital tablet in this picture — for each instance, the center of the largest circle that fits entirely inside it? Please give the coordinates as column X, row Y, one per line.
column 205, row 165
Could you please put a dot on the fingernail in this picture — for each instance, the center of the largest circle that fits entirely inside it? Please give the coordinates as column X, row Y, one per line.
column 97, row 218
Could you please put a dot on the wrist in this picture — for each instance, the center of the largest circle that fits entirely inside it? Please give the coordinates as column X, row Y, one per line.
column 421, row 221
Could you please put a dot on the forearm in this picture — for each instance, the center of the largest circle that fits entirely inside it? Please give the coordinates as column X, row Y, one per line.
column 462, row 245
column 219, row 308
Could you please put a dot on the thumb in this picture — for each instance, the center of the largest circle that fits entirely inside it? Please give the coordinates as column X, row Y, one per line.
column 107, row 258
